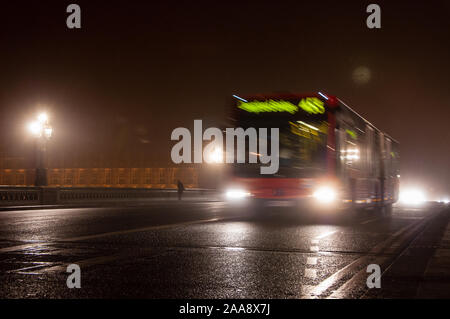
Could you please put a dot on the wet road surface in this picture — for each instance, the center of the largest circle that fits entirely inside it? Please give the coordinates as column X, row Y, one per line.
column 195, row 249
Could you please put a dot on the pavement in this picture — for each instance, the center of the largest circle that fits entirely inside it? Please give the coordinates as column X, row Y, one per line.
column 208, row 249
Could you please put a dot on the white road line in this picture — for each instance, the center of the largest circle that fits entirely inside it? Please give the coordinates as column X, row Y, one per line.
column 315, row 241
column 409, row 218
column 357, row 280
column 306, row 291
column 327, row 283
column 86, row 262
column 364, row 260
column 21, row 247
column 314, row 248
column 121, row 232
column 370, row 220
column 36, row 265
column 136, row 230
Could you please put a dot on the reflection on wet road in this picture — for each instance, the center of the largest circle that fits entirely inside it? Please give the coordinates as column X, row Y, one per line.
column 206, row 250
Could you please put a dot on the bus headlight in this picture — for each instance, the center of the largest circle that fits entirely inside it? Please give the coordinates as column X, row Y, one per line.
column 235, row 194
column 325, row 194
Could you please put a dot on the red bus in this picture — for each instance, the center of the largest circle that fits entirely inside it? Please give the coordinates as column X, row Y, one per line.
column 329, row 155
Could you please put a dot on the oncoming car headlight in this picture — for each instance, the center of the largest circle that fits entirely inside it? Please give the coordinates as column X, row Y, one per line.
column 325, row 194
column 412, row 197
column 234, row 194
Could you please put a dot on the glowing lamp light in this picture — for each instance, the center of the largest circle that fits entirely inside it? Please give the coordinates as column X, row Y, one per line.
column 41, row 127
column 35, row 128
column 325, row 195
column 48, row 132
column 43, row 118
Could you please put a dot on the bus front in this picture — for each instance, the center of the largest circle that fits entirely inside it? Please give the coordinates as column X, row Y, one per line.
column 306, row 140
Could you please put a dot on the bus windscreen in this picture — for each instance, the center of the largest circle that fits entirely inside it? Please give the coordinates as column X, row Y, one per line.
column 302, row 139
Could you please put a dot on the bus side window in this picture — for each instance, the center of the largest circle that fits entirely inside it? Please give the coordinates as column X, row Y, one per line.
column 388, row 158
column 376, row 156
column 351, row 147
column 341, row 146
column 370, row 145
column 395, row 159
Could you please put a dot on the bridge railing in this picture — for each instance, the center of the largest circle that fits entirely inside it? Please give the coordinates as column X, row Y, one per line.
column 23, row 196
column 20, row 196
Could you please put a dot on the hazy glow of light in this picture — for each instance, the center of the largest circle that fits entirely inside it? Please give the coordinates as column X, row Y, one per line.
column 40, row 127
column 35, row 128
column 256, row 154
column 48, row 132
column 361, row 75
column 412, row 196
column 325, row 194
column 215, row 156
column 43, row 117
column 235, row 194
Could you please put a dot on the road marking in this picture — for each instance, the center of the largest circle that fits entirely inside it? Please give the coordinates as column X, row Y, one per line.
column 330, row 281
column 306, row 289
column 358, row 280
column 121, row 232
column 28, row 270
column 326, row 234
column 370, row 220
column 314, row 241
column 361, row 261
column 86, row 262
column 21, row 247
column 314, row 248
column 136, row 230
column 402, row 230
column 105, row 259
column 409, row 218
column 311, row 261
column 310, row 273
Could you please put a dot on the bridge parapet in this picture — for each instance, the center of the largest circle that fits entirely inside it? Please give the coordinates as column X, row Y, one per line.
column 24, row 196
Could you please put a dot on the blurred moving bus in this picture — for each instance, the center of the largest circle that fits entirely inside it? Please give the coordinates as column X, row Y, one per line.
column 329, row 156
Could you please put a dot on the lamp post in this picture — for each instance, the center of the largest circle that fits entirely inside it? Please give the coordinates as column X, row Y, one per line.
column 42, row 131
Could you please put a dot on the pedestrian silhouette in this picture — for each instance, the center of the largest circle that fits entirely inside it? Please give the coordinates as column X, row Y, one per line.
column 180, row 187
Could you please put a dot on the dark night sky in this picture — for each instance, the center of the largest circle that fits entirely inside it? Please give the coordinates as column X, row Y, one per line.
column 138, row 69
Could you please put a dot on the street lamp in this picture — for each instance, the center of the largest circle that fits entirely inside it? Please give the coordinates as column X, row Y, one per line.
column 42, row 131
